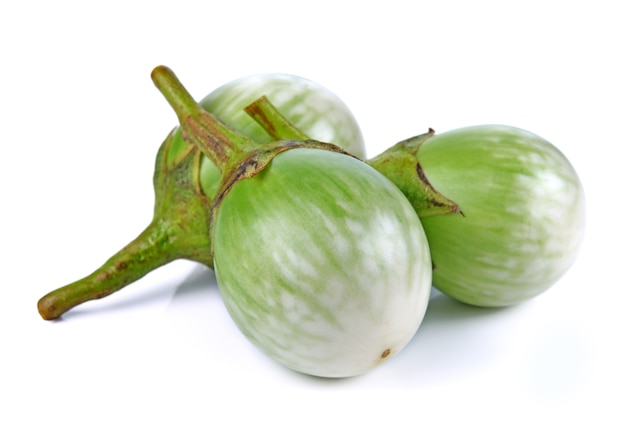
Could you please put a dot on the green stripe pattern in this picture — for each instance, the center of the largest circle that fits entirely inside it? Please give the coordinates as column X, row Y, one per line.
column 523, row 214
column 322, row 263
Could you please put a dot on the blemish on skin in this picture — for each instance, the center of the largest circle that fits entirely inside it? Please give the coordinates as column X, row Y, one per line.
column 102, row 276
column 385, row 353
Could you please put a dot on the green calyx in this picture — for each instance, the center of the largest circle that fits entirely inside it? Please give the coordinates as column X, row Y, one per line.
column 398, row 163
column 401, row 165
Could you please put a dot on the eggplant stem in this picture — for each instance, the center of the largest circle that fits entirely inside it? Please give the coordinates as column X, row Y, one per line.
column 273, row 121
column 221, row 144
column 150, row 250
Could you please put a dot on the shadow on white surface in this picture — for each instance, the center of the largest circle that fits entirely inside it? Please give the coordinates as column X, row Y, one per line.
column 200, row 281
column 454, row 341
column 124, row 301
column 152, row 291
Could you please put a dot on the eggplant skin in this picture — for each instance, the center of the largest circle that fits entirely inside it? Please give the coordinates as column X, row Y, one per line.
column 322, row 263
column 523, row 214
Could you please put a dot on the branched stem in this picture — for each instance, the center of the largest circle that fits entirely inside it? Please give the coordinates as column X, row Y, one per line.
column 224, row 146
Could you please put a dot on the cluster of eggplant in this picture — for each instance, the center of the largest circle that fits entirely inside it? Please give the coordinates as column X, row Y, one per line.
column 326, row 259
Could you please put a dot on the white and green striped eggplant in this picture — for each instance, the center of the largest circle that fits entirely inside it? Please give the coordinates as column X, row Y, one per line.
column 322, row 263
column 321, row 260
column 521, row 212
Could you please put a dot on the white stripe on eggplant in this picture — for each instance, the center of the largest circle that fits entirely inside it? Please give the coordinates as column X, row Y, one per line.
column 332, row 275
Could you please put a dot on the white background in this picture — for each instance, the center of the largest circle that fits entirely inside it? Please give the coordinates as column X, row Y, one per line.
column 161, row 361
